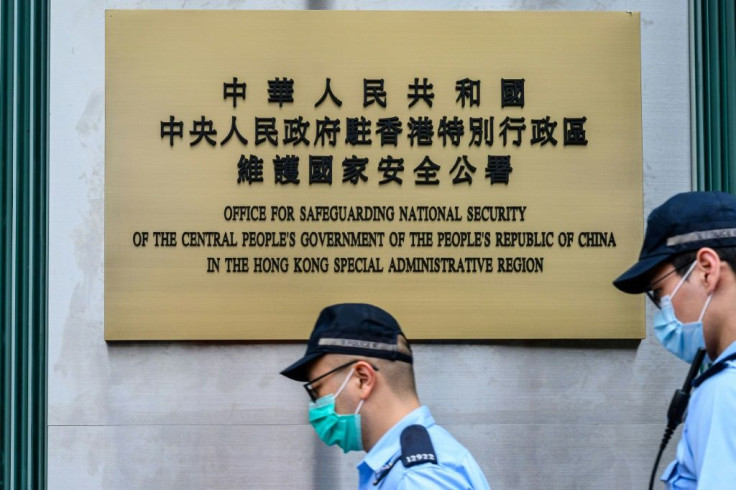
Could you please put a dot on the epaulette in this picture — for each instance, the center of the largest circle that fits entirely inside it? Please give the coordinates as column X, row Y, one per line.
column 416, row 446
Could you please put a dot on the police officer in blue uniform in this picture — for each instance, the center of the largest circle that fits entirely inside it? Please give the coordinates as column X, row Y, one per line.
column 686, row 266
column 359, row 376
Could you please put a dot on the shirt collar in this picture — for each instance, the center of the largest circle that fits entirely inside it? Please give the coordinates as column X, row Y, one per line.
column 389, row 445
column 731, row 349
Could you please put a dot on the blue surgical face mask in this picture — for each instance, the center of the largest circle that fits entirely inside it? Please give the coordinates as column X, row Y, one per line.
column 334, row 428
column 682, row 339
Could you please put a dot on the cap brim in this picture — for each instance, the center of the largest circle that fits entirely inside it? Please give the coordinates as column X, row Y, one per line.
column 636, row 279
column 298, row 370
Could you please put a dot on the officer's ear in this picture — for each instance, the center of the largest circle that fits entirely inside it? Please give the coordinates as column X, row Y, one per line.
column 711, row 266
column 366, row 375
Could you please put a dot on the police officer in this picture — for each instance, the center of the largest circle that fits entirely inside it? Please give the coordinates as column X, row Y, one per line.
column 359, row 376
column 686, row 266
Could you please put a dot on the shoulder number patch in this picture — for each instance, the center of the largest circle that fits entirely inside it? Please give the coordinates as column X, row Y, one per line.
column 416, row 446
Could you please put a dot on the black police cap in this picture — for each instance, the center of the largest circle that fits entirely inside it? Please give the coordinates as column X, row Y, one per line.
column 684, row 223
column 354, row 329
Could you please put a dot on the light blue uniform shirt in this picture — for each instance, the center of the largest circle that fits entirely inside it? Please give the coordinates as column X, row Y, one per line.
column 455, row 466
column 706, row 454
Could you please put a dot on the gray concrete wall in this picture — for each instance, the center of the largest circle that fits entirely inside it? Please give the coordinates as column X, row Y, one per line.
column 553, row 415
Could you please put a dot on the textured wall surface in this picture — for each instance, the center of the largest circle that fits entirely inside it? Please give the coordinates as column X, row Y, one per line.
column 553, row 415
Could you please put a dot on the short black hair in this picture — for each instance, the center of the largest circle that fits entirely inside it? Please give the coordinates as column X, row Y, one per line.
column 681, row 261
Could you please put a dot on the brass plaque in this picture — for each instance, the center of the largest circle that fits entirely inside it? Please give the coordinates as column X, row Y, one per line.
column 477, row 174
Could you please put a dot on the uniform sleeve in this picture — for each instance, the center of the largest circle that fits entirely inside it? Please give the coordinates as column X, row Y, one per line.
column 715, row 439
column 432, row 477
column 677, row 475
column 436, row 477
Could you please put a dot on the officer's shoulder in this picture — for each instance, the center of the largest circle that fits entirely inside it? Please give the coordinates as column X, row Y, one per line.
column 726, row 379
column 416, row 446
column 717, row 389
column 726, row 376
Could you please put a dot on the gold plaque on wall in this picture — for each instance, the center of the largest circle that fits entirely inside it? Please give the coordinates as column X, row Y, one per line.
column 477, row 174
